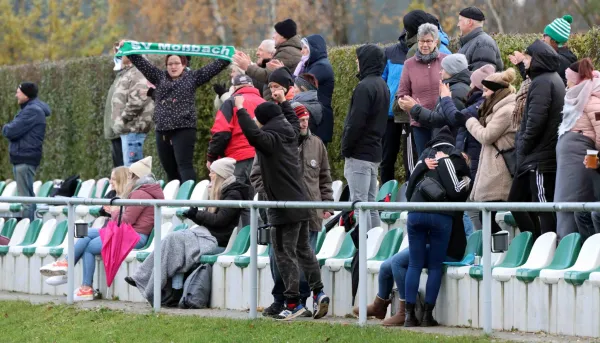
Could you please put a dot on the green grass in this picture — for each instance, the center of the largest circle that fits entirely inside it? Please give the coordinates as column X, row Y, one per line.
column 23, row 322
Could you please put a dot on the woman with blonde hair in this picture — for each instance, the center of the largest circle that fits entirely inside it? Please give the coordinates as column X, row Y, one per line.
column 182, row 250
column 494, row 130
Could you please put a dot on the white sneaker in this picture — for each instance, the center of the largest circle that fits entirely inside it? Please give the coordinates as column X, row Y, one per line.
column 55, row 269
column 57, row 280
column 81, row 295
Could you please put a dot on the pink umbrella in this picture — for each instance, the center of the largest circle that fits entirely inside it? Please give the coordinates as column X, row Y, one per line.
column 118, row 239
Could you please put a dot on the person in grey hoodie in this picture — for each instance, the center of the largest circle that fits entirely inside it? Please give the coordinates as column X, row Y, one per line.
column 305, row 92
column 26, row 135
column 479, row 48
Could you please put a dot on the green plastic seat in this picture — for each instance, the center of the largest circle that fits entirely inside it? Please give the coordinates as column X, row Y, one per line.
column 320, row 240
column 389, row 246
column 390, row 217
column 391, row 188
column 474, row 244
column 565, row 256
column 240, row 246
column 2, row 185
column 347, row 250
column 516, row 256
column 30, row 237
column 161, row 183
column 9, row 228
column 57, row 239
column 509, row 219
column 244, row 261
column 185, row 190
column 577, row 278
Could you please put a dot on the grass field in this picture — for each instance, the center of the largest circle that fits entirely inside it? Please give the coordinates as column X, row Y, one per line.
column 23, row 322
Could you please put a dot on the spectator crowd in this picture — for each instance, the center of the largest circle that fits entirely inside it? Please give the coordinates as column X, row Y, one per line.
column 466, row 134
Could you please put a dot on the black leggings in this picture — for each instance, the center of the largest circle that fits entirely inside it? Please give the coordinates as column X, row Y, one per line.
column 176, row 153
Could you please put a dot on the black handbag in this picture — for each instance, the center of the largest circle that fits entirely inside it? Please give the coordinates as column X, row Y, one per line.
column 431, row 190
column 510, row 159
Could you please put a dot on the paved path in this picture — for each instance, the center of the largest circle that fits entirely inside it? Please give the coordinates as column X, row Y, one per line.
column 144, row 308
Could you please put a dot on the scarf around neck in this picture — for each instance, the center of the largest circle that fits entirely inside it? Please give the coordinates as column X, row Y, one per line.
column 427, row 58
column 575, row 100
column 520, row 102
column 487, row 107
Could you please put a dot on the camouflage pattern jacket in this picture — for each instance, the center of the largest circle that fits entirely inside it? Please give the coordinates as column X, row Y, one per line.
column 132, row 109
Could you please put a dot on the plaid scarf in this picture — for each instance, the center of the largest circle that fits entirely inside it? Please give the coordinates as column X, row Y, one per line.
column 520, row 102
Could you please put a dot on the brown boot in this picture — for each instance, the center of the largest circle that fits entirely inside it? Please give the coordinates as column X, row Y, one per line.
column 377, row 309
column 398, row 318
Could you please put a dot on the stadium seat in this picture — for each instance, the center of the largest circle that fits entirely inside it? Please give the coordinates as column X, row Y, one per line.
column 234, row 276
column 8, row 190
column 184, row 193
column 8, row 226
column 101, row 188
column 588, row 260
column 240, row 246
column 171, row 190
column 332, row 244
column 338, row 187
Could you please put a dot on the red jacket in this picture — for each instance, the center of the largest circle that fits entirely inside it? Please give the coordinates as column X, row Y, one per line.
column 227, row 139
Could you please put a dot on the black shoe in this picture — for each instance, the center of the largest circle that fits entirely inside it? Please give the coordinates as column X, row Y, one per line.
column 411, row 317
column 273, row 310
column 130, row 281
column 428, row 319
column 173, row 300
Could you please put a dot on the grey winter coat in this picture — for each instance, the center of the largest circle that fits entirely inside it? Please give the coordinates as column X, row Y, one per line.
column 480, row 49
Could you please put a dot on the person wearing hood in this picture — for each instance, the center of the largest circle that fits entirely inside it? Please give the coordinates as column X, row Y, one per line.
column 274, row 135
column 578, row 133
column 25, row 134
column 364, row 128
column 421, row 80
column 398, row 124
column 456, row 77
column 314, row 166
column 441, row 175
column 141, row 185
column 537, row 138
column 305, row 92
column 181, row 250
column 494, row 131
column 479, row 48
column 288, row 49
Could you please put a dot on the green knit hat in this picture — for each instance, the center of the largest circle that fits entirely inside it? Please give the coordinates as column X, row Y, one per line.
column 560, row 29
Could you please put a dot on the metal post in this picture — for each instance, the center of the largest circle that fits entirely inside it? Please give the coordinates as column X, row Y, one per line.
column 71, row 253
column 157, row 253
column 253, row 262
column 487, row 272
column 362, row 266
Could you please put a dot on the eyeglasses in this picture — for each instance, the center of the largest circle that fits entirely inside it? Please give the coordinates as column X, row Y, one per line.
column 428, row 41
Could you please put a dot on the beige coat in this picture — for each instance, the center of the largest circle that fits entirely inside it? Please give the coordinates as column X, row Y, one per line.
column 493, row 180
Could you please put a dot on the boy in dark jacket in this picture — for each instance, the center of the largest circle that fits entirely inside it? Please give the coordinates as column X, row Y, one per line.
column 364, row 128
column 26, row 135
column 274, row 135
column 537, row 138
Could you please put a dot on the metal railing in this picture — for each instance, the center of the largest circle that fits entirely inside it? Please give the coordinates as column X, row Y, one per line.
column 362, row 207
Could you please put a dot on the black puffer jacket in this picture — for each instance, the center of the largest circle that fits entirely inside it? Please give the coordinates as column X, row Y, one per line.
column 537, row 136
column 453, row 173
column 366, row 121
column 175, row 100
column 276, row 145
column 222, row 222
column 566, row 57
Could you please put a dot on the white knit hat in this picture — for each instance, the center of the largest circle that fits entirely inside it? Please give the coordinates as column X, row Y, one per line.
column 142, row 167
column 223, row 167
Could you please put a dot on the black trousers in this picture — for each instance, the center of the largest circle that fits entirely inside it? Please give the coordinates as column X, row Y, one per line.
column 176, row 153
column 117, row 152
column 533, row 186
column 397, row 135
column 242, row 174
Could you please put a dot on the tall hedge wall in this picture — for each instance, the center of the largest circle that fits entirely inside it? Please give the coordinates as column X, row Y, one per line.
column 76, row 92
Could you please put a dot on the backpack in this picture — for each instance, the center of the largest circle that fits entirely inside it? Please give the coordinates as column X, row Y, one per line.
column 196, row 289
column 66, row 188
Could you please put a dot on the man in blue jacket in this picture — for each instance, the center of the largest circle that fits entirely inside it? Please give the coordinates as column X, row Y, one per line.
column 318, row 64
column 399, row 127
column 26, row 136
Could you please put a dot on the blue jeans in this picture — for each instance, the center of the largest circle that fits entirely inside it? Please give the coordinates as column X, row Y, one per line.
column 279, row 287
column 394, row 270
column 24, row 175
column 436, row 229
column 422, row 136
column 133, row 147
column 468, row 223
column 89, row 247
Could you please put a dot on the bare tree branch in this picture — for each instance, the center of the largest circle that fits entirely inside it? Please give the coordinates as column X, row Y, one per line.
column 496, row 16
column 585, row 14
column 216, row 14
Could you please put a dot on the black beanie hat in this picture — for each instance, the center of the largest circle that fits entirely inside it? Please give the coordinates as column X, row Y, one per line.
column 412, row 20
column 29, row 89
column 283, row 77
column 472, row 13
column 267, row 111
column 287, row 28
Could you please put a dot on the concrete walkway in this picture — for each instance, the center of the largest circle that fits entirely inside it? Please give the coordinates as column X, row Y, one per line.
column 144, row 308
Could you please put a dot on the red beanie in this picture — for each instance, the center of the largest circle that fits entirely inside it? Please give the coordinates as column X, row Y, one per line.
column 301, row 111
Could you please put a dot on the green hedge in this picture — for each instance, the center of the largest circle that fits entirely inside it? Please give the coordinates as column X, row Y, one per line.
column 76, row 91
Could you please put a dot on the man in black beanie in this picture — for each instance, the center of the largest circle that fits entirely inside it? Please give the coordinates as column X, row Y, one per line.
column 274, row 135
column 281, row 79
column 26, row 135
column 288, row 49
column 479, row 48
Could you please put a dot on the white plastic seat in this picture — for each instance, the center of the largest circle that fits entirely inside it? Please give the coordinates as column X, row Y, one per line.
column 87, row 189
column 36, row 187
column 9, row 191
column 171, row 189
column 19, row 232
column 595, row 279
column 338, row 187
column 200, row 192
column 100, row 188
column 374, row 239
column 589, row 259
column 44, row 237
column 541, row 255
column 332, row 243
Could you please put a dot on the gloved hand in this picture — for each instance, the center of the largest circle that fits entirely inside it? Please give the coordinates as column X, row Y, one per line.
column 461, row 118
column 220, row 89
column 191, row 213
